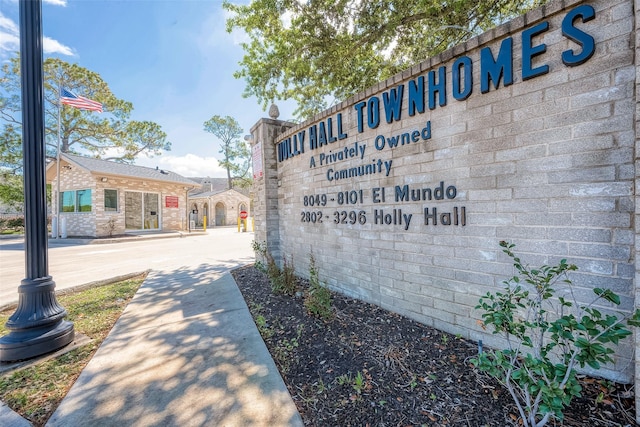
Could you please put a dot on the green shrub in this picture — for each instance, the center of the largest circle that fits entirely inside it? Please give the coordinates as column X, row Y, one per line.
column 547, row 338
column 284, row 281
column 317, row 298
column 14, row 224
column 261, row 250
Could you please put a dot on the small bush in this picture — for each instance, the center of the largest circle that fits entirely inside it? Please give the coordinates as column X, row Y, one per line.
column 548, row 338
column 261, row 250
column 285, row 281
column 318, row 298
column 15, row 224
column 282, row 281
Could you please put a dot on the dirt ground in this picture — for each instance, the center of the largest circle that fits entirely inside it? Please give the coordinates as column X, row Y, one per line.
column 371, row 367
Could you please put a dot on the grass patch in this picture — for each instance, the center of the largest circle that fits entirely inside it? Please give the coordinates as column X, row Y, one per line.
column 36, row 391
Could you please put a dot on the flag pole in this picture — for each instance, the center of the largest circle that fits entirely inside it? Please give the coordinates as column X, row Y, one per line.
column 57, row 198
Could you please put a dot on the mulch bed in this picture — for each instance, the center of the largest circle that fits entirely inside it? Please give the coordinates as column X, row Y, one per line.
column 370, row 367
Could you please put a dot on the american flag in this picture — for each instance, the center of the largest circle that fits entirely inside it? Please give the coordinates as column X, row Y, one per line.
column 68, row 98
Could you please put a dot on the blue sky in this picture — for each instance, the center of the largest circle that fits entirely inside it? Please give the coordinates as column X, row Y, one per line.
column 172, row 59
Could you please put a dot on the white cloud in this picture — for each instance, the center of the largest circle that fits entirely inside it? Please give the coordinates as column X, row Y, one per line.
column 214, row 32
column 9, row 34
column 53, row 46
column 10, row 38
column 8, row 25
column 9, row 42
column 56, row 2
column 189, row 165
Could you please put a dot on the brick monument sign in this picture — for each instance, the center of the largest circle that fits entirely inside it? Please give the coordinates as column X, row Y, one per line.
column 526, row 133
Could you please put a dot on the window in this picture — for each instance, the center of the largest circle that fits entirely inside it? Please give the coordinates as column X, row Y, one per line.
column 111, row 200
column 83, row 201
column 67, row 201
column 75, row 201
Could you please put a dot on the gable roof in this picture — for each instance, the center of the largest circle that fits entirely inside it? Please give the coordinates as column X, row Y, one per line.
column 208, row 194
column 213, row 185
column 106, row 167
column 209, row 185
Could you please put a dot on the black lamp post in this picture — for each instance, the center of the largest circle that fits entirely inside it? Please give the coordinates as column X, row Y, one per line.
column 37, row 326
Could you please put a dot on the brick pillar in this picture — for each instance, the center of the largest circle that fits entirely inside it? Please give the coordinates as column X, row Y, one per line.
column 264, row 135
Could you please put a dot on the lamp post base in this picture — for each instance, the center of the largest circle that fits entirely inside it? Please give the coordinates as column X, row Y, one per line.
column 35, row 342
column 37, row 327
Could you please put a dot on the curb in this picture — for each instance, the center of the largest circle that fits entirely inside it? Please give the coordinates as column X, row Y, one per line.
column 84, row 286
column 120, row 239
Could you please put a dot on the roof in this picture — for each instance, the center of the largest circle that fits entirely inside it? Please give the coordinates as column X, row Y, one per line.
column 209, row 185
column 214, row 186
column 208, row 194
column 99, row 166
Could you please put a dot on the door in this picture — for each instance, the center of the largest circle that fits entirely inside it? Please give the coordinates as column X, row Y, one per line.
column 220, row 214
column 141, row 210
column 151, row 206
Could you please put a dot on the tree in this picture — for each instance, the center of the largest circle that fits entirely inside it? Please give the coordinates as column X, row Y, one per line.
column 323, row 51
column 11, row 191
column 111, row 135
column 236, row 155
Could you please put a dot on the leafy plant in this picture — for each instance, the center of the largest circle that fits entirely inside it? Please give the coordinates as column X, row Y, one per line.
column 265, row 330
column 282, row 281
column 261, row 250
column 259, row 247
column 344, row 379
column 12, row 223
column 293, row 343
column 284, row 349
column 547, row 338
column 288, row 280
column 318, row 298
column 414, row 382
column 358, row 383
column 275, row 275
column 259, row 265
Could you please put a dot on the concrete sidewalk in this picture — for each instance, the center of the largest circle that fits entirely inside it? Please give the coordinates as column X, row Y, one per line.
column 185, row 352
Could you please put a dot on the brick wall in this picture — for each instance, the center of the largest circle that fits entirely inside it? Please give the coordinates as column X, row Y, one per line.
column 267, row 188
column 222, row 208
column 546, row 161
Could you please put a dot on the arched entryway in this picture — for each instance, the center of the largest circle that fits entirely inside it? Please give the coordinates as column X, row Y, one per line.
column 220, row 214
column 193, row 214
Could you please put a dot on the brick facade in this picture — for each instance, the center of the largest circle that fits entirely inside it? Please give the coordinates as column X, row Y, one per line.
column 221, row 208
column 97, row 222
column 545, row 160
